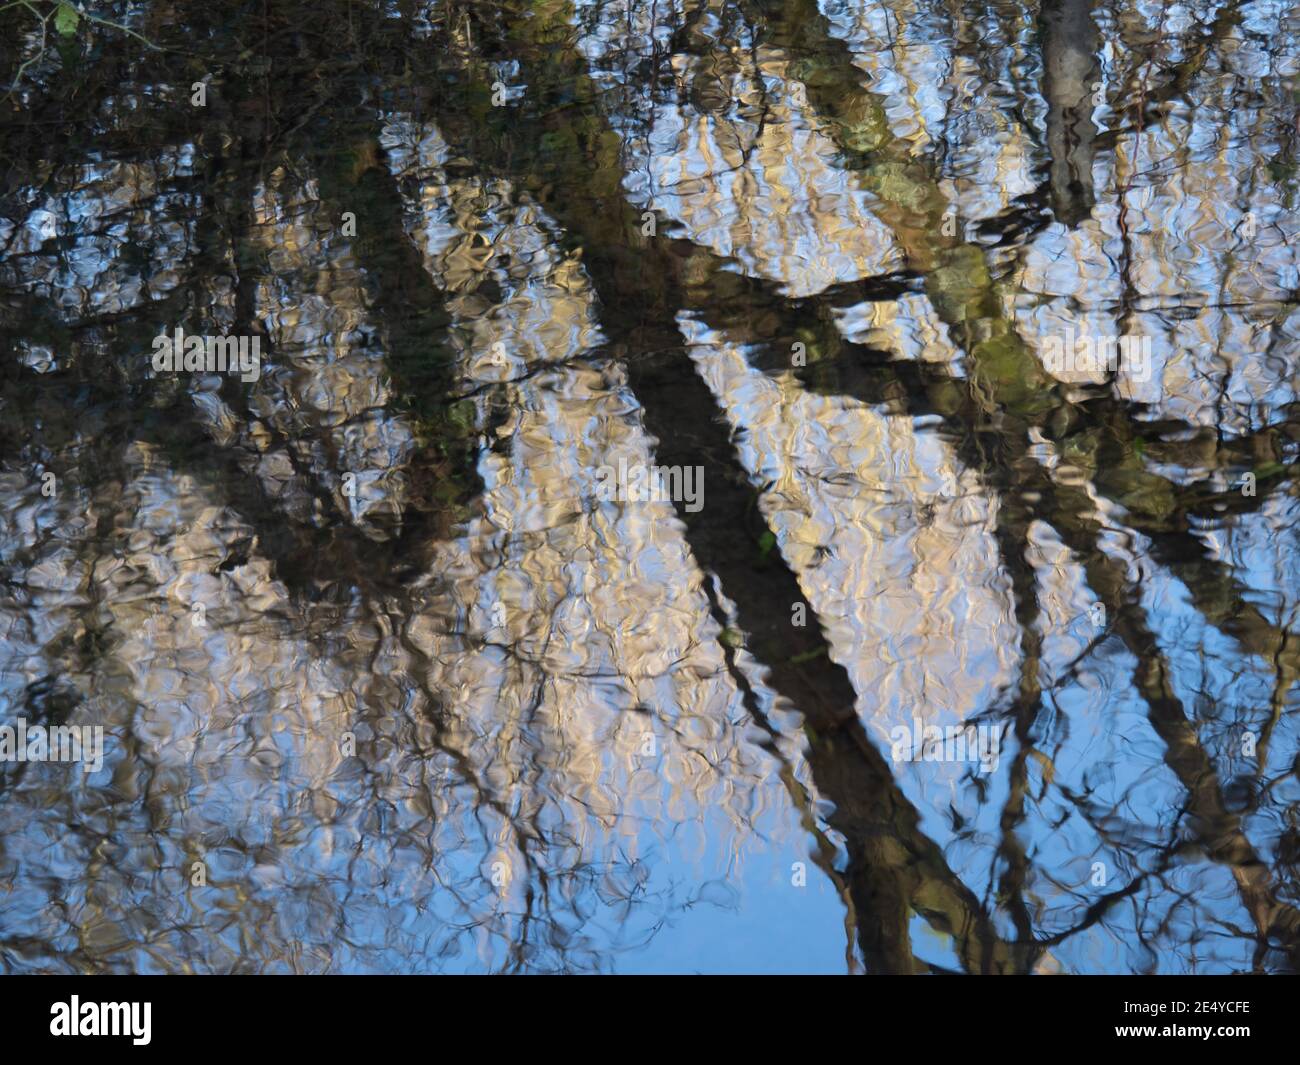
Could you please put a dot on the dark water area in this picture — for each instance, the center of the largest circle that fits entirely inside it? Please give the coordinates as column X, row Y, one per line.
column 347, row 347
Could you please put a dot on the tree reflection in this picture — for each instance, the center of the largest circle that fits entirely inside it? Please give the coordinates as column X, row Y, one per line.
column 446, row 709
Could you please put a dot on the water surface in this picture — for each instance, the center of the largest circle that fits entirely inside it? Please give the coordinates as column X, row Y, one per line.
column 389, row 684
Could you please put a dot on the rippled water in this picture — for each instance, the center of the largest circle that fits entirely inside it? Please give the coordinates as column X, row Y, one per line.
column 388, row 683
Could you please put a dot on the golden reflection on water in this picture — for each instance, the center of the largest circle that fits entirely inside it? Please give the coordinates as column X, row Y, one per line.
column 372, row 708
